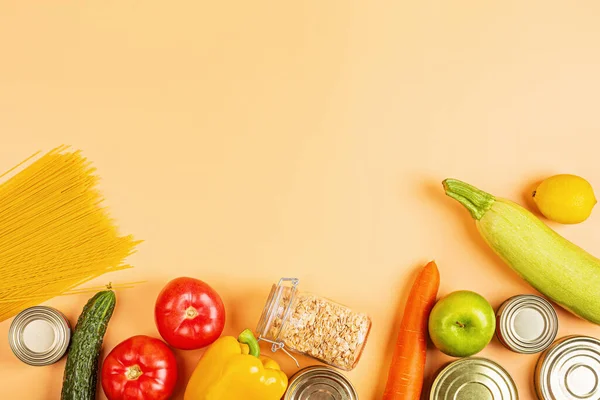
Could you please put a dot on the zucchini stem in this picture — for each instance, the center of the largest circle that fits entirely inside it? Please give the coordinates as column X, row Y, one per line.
column 476, row 201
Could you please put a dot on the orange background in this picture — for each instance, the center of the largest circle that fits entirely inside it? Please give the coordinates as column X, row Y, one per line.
column 249, row 140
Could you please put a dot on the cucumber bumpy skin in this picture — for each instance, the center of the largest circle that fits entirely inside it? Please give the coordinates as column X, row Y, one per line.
column 554, row 266
column 81, row 370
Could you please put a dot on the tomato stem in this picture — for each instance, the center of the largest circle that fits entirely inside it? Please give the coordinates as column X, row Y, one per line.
column 247, row 337
column 134, row 372
column 191, row 313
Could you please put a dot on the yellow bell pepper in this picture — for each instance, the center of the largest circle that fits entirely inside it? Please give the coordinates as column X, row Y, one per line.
column 233, row 369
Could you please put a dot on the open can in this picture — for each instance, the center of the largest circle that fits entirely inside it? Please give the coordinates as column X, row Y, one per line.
column 473, row 378
column 320, row 383
column 569, row 370
column 39, row 335
column 526, row 324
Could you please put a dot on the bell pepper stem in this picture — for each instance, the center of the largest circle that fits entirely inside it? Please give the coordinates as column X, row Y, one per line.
column 247, row 337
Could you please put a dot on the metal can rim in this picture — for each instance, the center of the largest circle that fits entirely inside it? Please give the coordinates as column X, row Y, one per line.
column 549, row 358
column 505, row 317
column 323, row 370
column 59, row 323
column 505, row 375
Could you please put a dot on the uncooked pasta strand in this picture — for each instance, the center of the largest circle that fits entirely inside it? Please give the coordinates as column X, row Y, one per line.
column 54, row 232
column 114, row 286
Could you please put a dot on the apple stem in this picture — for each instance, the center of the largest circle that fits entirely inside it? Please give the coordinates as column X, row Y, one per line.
column 461, row 325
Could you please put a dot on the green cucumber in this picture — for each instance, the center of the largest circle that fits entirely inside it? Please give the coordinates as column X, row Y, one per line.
column 81, row 371
column 554, row 266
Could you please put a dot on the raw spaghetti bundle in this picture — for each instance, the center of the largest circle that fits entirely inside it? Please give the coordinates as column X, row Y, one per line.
column 54, row 233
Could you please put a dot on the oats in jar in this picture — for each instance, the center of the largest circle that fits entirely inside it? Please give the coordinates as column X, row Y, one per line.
column 314, row 326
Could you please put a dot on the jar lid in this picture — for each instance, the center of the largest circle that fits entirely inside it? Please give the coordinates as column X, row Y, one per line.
column 271, row 311
column 569, row 370
column 320, row 383
column 473, row 378
column 39, row 335
column 526, row 324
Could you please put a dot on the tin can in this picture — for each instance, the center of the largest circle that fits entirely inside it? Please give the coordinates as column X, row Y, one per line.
column 569, row 370
column 526, row 324
column 473, row 378
column 319, row 383
column 39, row 335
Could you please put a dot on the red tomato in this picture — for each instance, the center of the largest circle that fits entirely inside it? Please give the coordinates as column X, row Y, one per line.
column 189, row 314
column 139, row 368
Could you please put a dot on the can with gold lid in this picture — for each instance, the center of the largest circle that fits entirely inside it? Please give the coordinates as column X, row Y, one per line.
column 526, row 324
column 39, row 335
column 473, row 378
column 320, row 383
column 569, row 370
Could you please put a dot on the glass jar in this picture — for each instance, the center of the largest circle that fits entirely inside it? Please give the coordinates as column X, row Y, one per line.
column 313, row 325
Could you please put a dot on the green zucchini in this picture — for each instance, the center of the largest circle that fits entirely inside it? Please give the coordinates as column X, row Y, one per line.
column 554, row 266
column 81, row 371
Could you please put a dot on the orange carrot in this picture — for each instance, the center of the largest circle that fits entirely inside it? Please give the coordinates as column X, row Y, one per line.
column 405, row 377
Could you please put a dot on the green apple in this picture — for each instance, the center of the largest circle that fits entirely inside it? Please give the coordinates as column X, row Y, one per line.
column 462, row 323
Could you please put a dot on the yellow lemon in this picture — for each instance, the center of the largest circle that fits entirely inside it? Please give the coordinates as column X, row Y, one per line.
column 568, row 199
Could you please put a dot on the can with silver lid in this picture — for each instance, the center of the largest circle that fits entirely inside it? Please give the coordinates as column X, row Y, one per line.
column 319, row 383
column 473, row 378
column 39, row 335
column 526, row 324
column 569, row 370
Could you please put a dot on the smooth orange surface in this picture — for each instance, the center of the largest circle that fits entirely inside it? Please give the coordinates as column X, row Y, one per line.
column 250, row 140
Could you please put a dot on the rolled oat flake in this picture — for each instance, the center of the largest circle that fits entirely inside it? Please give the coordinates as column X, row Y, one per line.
column 302, row 322
column 473, row 379
column 526, row 324
column 569, row 370
column 39, row 335
column 320, row 383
